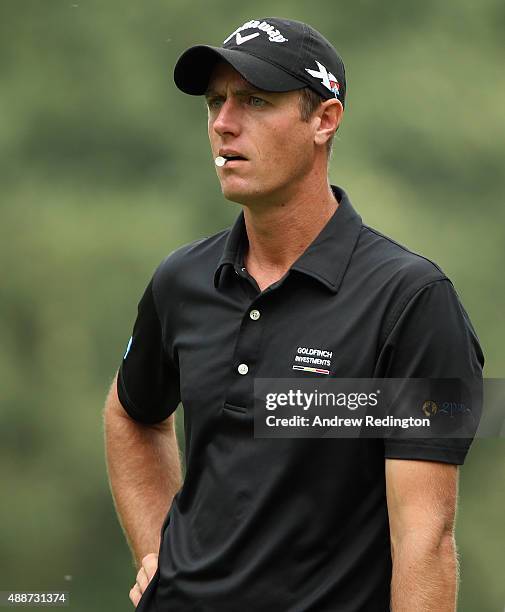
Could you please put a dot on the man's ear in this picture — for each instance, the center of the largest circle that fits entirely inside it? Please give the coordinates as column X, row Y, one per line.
column 330, row 115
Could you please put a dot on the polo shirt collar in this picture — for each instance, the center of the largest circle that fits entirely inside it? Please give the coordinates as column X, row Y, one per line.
column 325, row 259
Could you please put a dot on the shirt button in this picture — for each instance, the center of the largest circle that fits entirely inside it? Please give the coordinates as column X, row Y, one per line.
column 255, row 315
column 243, row 369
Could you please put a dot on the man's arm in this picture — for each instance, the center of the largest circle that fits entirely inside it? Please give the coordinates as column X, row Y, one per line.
column 145, row 473
column 422, row 499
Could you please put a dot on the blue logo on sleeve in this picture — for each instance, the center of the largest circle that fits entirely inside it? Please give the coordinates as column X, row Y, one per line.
column 128, row 347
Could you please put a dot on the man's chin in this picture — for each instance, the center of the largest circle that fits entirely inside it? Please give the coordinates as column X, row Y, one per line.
column 244, row 191
column 239, row 195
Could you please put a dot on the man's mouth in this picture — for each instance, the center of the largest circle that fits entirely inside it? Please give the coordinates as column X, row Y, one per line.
column 231, row 154
column 229, row 161
column 229, row 158
column 234, row 157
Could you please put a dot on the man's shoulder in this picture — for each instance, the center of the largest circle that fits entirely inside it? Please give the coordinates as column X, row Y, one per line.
column 201, row 255
column 394, row 264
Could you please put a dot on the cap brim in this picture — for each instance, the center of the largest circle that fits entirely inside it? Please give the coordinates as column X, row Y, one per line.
column 193, row 69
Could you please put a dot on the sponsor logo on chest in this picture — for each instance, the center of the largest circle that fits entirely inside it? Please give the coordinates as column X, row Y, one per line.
column 309, row 359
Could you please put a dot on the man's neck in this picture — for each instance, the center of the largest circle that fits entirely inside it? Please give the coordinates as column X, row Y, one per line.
column 278, row 235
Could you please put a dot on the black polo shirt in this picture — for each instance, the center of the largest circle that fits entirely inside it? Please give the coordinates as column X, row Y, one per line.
column 285, row 524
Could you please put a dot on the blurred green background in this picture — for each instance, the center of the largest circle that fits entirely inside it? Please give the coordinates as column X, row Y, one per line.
column 105, row 168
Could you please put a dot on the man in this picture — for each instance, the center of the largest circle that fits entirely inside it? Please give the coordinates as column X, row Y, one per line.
column 283, row 524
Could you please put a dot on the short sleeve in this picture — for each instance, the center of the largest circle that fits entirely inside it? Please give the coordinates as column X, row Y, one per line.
column 148, row 380
column 432, row 338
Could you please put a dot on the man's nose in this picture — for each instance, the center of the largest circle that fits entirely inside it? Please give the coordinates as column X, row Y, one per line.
column 227, row 120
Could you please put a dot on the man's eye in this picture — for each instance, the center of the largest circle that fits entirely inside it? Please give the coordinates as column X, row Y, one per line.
column 214, row 103
column 255, row 101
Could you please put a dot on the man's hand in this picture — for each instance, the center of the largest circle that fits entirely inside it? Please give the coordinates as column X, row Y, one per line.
column 144, row 577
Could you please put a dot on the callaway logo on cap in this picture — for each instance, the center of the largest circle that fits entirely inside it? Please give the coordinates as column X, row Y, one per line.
column 273, row 34
column 272, row 54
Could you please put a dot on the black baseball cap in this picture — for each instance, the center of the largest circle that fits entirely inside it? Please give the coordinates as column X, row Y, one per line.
column 272, row 54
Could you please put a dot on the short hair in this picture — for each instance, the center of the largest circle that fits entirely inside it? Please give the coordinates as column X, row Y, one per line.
column 309, row 101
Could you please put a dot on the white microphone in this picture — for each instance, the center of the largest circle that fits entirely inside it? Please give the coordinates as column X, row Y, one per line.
column 220, row 161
